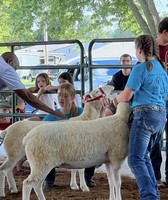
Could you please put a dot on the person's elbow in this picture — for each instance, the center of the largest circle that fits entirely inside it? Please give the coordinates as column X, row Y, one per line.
column 25, row 94
column 127, row 94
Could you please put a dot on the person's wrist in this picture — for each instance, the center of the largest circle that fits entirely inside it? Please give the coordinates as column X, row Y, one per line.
column 112, row 107
column 115, row 102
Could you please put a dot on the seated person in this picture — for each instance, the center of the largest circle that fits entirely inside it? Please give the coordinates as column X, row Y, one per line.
column 119, row 79
column 66, row 97
column 41, row 83
column 6, row 107
column 65, row 77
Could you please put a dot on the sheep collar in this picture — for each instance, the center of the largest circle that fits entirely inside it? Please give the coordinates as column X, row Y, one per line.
column 98, row 97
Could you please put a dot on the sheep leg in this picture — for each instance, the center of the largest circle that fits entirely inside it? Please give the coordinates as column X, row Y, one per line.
column 18, row 166
column 35, row 180
column 117, row 182
column 33, row 183
column 83, row 185
column 26, row 190
column 2, row 181
column 73, row 184
column 6, row 170
column 11, row 182
column 39, row 191
column 110, row 181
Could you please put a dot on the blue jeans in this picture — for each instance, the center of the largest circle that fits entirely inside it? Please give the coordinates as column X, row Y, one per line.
column 166, row 130
column 51, row 177
column 156, row 155
column 166, row 163
column 156, row 158
column 147, row 127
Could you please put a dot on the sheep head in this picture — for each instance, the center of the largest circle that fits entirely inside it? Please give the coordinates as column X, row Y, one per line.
column 94, row 101
column 102, row 92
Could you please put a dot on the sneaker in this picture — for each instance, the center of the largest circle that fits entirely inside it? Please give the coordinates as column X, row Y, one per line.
column 166, row 184
column 90, row 183
column 160, row 184
column 1, row 140
column 48, row 185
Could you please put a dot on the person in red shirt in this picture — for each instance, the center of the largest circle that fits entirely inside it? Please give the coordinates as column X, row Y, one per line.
column 156, row 156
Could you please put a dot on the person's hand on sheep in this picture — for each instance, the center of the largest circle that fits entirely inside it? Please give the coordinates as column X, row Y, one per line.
column 106, row 102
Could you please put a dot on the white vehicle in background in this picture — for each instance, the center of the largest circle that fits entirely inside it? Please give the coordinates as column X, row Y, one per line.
column 36, row 56
column 27, row 59
column 101, row 76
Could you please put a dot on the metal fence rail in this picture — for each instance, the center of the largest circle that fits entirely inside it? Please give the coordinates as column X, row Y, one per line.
column 17, row 45
column 81, row 66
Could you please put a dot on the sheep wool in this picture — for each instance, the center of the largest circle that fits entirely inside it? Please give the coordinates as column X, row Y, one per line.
column 78, row 144
column 15, row 133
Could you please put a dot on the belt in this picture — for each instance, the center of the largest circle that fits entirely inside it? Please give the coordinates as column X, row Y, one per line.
column 157, row 108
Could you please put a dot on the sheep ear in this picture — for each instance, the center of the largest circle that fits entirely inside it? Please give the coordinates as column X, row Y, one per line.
column 86, row 97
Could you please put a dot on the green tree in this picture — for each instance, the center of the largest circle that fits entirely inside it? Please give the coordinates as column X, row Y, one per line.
column 23, row 20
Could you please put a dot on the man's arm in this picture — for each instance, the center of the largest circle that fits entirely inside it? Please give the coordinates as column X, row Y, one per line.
column 32, row 89
column 35, row 102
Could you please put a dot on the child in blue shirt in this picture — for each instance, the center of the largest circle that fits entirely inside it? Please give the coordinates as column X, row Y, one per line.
column 66, row 97
column 148, row 84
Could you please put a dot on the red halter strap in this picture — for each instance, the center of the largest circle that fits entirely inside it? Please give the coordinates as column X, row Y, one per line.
column 98, row 97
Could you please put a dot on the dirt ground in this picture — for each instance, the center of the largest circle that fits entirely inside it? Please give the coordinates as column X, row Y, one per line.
column 62, row 191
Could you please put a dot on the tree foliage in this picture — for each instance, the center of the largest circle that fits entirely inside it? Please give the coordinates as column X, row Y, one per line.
column 23, row 20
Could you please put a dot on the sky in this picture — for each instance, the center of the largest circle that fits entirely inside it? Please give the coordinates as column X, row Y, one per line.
column 162, row 6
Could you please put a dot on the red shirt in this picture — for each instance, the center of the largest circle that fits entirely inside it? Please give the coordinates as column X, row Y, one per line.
column 164, row 53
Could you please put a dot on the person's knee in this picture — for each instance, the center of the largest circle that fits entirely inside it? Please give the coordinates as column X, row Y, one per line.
column 107, row 112
column 132, row 161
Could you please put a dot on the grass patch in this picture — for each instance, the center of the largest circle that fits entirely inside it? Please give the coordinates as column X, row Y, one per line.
column 28, row 84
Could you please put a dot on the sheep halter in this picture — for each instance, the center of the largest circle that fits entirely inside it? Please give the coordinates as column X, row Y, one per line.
column 98, row 97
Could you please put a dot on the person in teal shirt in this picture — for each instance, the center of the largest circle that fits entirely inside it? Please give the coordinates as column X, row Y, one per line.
column 66, row 96
column 148, row 85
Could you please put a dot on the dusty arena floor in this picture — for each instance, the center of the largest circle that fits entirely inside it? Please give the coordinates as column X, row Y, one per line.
column 62, row 190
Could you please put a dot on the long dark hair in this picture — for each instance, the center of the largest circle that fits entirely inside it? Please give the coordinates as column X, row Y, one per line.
column 148, row 45
column 66, row 76
column 163, row 25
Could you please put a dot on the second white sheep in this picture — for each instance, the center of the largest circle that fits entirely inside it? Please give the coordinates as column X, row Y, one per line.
column 78, row 145
column 14, row 134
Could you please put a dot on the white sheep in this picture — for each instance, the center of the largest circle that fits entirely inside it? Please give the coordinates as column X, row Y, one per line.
column 78, row 144
column 14, row 134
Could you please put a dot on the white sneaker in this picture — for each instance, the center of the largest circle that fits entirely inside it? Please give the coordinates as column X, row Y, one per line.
column 1, row 140
column 160, row 184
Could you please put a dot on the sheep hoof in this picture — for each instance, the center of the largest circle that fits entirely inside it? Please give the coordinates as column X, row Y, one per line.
column 74, row 187
column 85, row 189
column 14, row 191
column 2, row 195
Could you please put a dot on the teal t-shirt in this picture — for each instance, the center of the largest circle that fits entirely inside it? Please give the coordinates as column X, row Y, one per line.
column 50, row 117
column 150, row 86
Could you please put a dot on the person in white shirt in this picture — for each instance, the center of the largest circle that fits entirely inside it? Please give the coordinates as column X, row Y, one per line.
column 42, row 82
column 9, row 78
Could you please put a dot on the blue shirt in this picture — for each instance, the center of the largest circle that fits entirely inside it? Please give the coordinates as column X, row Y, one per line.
column 50, row 117
column 150, row 86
